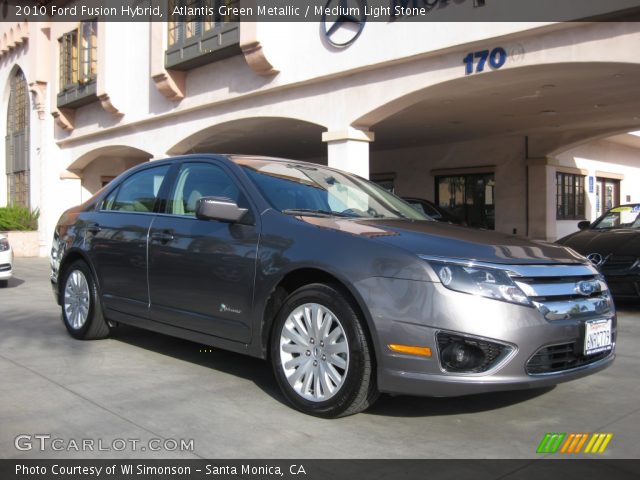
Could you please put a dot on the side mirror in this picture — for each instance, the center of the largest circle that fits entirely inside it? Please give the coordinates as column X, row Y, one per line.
column 583, row 225
column 220, row 208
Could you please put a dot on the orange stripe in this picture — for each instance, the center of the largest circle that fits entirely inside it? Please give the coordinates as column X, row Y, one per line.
column 567, row 442
column 575, row 442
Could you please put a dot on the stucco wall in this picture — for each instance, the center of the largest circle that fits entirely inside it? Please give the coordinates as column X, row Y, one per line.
column 414, row 173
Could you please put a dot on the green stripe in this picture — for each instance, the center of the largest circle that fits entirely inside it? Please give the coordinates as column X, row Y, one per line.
column 551, row 442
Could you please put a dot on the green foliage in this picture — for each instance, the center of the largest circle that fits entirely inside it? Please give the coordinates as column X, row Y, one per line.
column 18, row 218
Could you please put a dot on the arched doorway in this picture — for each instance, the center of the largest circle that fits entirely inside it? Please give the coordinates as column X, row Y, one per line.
column 17, row 142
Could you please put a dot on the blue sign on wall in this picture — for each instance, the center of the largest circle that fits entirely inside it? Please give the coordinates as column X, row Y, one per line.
column 590, row 184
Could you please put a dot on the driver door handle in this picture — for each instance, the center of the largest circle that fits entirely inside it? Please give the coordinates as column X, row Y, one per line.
column 93, row 228
column 164, row 236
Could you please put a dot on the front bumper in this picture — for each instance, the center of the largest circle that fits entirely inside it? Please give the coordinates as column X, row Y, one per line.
column 422, row 384
column 6, row 264
column 409, row 312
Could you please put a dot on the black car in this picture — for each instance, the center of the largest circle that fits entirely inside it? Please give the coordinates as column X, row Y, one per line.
column 612, row 243
column 434, row 211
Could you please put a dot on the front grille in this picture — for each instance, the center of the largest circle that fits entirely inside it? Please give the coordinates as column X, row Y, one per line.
column 558, row 358
column 493, row 352
column 618, row 263
column 565, row 292
column 5, row 267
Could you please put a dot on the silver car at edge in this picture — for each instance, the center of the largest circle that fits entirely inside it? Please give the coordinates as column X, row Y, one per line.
column 346, row 289
column 6, row 261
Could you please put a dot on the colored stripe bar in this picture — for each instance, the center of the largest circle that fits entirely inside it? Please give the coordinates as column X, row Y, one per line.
column 598, row 443
column 551, row 442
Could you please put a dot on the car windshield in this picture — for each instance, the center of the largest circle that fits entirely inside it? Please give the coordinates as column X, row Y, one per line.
column 625, row 216
column 303, row 189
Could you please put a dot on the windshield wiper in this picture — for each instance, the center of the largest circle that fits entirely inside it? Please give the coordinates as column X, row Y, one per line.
column 311, row 211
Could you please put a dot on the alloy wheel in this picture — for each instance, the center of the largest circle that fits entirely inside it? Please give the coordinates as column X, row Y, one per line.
column 314, row 352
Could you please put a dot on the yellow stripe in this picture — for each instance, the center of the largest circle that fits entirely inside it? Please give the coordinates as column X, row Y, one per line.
column 567, row 442
column 584, row 439
column 591, row 442
column 608, row 438
column 596, row 446
column 419, row 351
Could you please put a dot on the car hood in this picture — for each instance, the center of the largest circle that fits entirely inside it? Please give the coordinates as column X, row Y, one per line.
column 444, row 240
column 622, row 241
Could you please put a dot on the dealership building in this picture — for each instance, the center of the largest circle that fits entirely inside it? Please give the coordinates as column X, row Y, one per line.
column 521, row 127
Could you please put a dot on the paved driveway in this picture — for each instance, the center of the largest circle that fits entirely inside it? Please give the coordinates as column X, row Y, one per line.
column 122, row 392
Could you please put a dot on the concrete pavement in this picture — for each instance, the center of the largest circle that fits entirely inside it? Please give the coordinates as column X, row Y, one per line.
column 138, row 386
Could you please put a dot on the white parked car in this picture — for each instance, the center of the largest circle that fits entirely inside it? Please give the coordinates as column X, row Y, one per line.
column 6, row 261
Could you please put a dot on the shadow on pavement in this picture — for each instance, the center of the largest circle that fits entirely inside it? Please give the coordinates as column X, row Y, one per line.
column 259, row 372
column 14, row 282
column 406, row 406
column 253, row 369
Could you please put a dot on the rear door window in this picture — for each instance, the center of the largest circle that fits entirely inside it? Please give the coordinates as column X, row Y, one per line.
column 138, row 193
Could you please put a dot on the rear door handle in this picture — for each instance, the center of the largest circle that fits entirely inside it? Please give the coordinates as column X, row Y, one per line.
column 93, row 228
column 164, row 237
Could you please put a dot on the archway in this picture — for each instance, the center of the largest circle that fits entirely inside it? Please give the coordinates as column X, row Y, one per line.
column 270, row 136
column 98, row 167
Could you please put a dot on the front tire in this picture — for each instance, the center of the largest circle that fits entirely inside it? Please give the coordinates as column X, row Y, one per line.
column 81, row 307
column 320, row 353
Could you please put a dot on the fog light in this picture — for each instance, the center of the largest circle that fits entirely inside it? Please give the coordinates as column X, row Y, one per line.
column 465, row 354
column 460, row 357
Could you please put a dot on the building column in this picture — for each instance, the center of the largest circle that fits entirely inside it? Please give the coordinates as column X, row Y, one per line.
column 349, row 150
column 541, row 199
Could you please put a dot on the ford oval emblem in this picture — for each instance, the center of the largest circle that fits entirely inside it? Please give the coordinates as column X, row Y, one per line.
column 586, row 287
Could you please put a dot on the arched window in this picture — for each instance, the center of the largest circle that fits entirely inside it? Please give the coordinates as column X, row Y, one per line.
column 17, row 142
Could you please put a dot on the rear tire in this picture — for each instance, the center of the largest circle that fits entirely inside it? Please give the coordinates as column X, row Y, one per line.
column 320, row 353
column 81, row 307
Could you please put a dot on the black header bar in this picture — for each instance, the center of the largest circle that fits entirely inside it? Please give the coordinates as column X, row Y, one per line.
column 319, row 10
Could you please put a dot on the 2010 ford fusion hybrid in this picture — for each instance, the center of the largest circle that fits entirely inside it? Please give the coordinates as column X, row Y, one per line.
column 345, row 288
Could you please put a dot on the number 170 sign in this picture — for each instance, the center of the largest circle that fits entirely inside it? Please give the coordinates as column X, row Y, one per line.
column 476, row 62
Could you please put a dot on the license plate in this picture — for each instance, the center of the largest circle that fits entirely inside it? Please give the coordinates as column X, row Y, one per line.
column 597, row 337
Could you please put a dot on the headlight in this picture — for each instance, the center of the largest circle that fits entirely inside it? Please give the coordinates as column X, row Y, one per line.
column 4, row 244
column 475, row 280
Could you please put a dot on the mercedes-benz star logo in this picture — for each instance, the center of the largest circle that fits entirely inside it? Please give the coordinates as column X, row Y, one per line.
column 597, row 259
column 343, row 21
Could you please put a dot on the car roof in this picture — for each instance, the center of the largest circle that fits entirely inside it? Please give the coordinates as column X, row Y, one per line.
column 235, row 158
